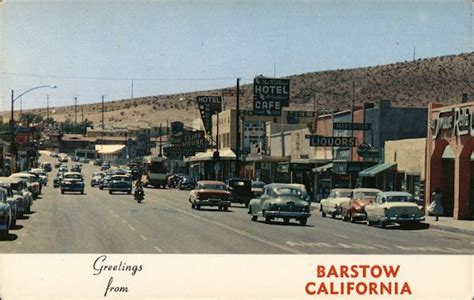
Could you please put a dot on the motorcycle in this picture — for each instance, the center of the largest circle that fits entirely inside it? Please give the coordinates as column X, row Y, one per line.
column 139, row 195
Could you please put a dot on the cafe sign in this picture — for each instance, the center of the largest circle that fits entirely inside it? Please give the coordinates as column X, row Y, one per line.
column 459, row 120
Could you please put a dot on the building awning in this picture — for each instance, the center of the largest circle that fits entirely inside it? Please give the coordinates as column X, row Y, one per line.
column 109, row 149
column 323, row 168
column 224, row 154
column 372, row 171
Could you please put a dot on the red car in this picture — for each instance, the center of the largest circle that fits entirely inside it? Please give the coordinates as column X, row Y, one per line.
column 354, row 210
column 210, row 193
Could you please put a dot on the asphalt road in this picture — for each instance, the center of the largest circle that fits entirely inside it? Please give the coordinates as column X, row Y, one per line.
column 97, row 222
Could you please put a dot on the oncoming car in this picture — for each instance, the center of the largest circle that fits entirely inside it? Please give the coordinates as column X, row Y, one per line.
column 280, row 200
column 210, row 193
column 72, row 182
column 120, row 183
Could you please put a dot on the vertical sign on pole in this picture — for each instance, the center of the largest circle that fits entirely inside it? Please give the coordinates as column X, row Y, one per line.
column 209, row 105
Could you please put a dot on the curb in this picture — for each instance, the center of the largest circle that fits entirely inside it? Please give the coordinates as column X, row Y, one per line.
column 451, row 229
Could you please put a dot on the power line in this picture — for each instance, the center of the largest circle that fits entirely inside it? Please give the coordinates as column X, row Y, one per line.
column 119, row 78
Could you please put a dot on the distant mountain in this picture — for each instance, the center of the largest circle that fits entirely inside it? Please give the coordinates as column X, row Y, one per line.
column 410, row 84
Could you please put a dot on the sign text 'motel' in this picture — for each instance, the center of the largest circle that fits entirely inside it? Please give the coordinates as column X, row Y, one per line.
column 270, row 95
column 351, row 126
column 331, row 141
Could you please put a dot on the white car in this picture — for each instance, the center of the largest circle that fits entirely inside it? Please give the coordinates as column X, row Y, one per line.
column 333, row 203
column 394, row 207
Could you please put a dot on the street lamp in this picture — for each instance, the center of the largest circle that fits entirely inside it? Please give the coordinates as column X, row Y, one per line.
column 12, row 121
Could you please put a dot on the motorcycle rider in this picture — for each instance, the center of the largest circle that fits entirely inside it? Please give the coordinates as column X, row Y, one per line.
column 139, row 187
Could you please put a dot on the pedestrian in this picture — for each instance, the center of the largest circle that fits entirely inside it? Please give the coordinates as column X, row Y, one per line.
column 436, row 206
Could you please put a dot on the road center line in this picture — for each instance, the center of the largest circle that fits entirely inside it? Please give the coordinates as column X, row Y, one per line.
column 131, row 227
column 238, row 231
column 341, row 236
column 158, row 249
column 143, row 237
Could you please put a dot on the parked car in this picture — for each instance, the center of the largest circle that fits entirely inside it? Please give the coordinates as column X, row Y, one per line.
column 97, row 162
column 240, row 190
column 20, row 190
column 104, row 167
column 41, row 175
column 63, row 159
column 210, row 193
column 72, row 182
column 32, row 183
column 5, row 214
column 187, row 183
column 57, row 164
column 257, row 188
column 136, row 173
column 333, row 203
column 281, row 200
column 12, row 200
column 394, row 207
column 20, row 207
column 354, row 209
column 120, row 183
column 96, row 176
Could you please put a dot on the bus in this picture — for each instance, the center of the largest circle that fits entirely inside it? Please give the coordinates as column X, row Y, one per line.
column 156, row 171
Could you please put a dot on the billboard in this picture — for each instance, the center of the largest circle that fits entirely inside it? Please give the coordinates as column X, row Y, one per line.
column 270, row 95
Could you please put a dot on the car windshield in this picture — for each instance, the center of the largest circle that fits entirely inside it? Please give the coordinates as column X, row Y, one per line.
column 365, row 195
column 399, row 198
column 340, row 194
column 258, row 185
column 72, row 176
column 120, row 178
column 288, row 191
column 211, row 186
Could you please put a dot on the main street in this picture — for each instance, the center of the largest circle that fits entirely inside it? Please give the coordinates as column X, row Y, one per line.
column 97, row 222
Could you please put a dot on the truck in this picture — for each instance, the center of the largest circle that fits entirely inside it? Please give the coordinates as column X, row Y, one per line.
column 156, row 171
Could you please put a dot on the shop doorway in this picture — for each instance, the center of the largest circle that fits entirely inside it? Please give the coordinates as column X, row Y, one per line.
column 442, row 174
column 466, row 182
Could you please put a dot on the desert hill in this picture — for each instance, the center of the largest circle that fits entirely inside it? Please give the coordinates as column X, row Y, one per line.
column 410, row 84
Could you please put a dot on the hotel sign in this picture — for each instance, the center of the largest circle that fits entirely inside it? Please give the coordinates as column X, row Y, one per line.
column 270, row 95
column 209, row 105
column 459, row 120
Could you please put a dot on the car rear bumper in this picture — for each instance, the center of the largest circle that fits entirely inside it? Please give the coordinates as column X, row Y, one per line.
column 286, row 214
column 213, row 202
column 72, row 189
column 404, row 219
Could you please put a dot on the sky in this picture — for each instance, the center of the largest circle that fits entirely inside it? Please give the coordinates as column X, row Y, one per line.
column 95, row 48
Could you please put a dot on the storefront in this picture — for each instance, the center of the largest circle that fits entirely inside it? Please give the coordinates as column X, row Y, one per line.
column 204, row 165
column 451, row 131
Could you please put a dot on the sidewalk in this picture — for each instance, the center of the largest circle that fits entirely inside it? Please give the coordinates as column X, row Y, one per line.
column 444, row 223
column 450, row 224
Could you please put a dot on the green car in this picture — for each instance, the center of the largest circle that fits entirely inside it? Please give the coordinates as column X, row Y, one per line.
column 283, row 201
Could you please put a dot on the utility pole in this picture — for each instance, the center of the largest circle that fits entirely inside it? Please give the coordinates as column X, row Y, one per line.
column 352, row 114
column 414, row 52
column 47, row 108
column 82, row 115
column 12, row 139
column 75, row 110
column 237, row 131
column 21, row 107
column 161, row 146
column 103, row 124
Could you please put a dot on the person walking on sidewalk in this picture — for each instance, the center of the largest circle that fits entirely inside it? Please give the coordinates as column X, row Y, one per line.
column 436, row 203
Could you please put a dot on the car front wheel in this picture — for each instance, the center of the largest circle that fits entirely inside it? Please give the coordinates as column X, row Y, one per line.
column 303, row 221
column 254, row 218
